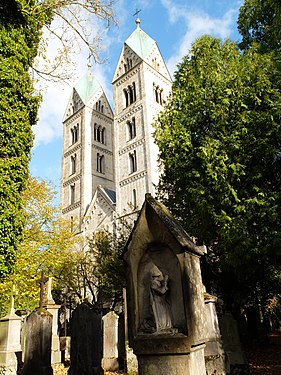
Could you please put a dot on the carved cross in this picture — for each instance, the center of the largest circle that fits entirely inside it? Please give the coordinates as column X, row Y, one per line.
column 42, row 281
column 13, row 294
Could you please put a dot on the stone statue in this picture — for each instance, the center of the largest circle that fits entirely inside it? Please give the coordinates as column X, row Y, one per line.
column 158, row 299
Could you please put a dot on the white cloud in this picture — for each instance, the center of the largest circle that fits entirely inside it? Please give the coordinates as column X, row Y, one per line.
column 196, row 23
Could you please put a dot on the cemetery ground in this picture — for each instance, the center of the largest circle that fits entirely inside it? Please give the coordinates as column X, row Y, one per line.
column 263, row 360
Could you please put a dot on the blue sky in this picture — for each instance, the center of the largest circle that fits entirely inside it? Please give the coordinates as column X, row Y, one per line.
column 174, row 25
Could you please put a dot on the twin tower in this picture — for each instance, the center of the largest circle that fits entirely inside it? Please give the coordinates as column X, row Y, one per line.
column 109, row 158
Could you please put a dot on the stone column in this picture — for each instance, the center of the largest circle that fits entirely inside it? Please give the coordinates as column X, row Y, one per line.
column 214, row 353
column 56, row 353
column 53, row 309
column 110, row 342
column 10, row 347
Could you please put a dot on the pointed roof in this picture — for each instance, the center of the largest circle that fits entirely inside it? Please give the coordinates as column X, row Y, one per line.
column 140, row 42
column 87, row 86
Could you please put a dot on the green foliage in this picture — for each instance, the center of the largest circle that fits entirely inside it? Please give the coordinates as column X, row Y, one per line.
column 259, row 21
column 21, row 26
column 18, row 112
column 46, row 246
column 96, row 271
column 219, row 140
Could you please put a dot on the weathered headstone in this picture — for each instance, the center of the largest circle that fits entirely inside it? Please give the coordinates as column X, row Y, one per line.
column 166, row 312
column 86, row 341
column 235, row 357
column 10, row 347
column 214, row 353
column 52, row 308
column 110, row 342
column 37, row 354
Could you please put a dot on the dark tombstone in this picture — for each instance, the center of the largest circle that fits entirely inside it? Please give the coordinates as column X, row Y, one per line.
column 165, row 295
column 86, row 341
column 38, row 341
column 121, row 343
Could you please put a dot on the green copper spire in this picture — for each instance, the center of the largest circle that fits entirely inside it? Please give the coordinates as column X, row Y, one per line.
column 87, row 86
column 140, row 42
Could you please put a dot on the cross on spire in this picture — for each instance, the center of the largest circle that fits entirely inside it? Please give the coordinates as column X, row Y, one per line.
column 42, row 281
column 137, row 12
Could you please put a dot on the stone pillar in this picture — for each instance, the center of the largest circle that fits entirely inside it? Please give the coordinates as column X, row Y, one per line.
column 110, row 342
column 214, row 353
column 56, row 353
column 52, row 308
column 10, row 347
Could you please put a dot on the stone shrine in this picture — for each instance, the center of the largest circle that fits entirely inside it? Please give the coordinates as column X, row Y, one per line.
column 166, row 312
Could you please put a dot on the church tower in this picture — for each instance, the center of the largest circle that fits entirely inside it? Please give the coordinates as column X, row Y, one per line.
column 109, row 161
column 141, row 85
column 87, row 155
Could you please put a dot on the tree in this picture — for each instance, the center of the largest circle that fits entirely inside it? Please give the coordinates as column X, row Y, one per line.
column 219, row 139
column 259, row 21
column 21, row 27
column 47, row 246
column 96, row 272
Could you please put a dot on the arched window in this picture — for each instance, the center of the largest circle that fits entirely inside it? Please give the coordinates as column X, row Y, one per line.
column 72, row 194
column 126, row 97
column 103, row 136
column 99, row 134
column 73, row 159
column 134, row 199
column 100, row 163
column 158, row 93
column 131, row 128
column 130, row 94
column 133, row 161
column 95, row 131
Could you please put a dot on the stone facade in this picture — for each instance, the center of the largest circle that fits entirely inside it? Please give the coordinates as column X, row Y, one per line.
column 109, row 159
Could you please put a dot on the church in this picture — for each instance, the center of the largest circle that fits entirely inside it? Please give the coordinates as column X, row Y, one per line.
column 109, row 157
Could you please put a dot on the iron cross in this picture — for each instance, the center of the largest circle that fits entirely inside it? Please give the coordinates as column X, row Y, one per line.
column 137, row 12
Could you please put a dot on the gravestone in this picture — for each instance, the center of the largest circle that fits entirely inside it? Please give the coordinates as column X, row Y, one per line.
column 214, row 353
column 236, row 361
column 86, row 341
column 10, row 347
column 110, row 342
column 38, row 339
column 165, row 301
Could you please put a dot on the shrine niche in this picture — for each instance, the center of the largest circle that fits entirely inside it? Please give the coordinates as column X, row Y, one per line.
column 165, row 301
column 160, row 302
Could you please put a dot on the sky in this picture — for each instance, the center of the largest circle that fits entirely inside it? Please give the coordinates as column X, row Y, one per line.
column 173, row 24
